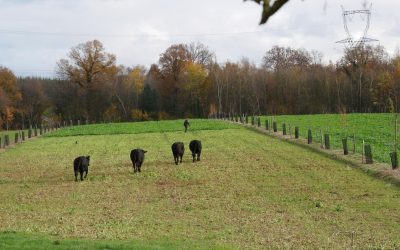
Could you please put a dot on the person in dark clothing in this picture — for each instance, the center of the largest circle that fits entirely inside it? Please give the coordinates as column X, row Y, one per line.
column 186, row 124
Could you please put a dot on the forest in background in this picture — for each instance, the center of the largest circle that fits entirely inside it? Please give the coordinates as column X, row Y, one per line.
column 187, row 81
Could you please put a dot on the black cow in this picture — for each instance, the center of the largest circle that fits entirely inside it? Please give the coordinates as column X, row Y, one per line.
column 195, row 147
column 178, row 149
column 137, row 158
column 81, row 165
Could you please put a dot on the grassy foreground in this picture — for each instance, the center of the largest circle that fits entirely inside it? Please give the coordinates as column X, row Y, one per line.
column 23, row 241
column 248, row 191
column 375, row 129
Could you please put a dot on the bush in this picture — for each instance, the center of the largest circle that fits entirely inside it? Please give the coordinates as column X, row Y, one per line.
column 164, row 116
column 139, row 115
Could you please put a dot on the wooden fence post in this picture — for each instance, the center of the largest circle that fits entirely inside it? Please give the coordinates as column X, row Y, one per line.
column 35, row 130
column 368, row 154
column 345, row 146
column 309, row 136
column 6, row 140
column 267, row 124
column 247, row 119
column 30, row 133
column 259, row 121
column 252, row 120
column 327, row 141
column 393, row 158
column 296, row 132
column 284, row 129
column 23, row 135
column 322, row 138
column 16, row 138
column 275, row 126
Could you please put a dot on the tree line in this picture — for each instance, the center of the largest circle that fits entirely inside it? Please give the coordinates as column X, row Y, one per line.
column 187, row 81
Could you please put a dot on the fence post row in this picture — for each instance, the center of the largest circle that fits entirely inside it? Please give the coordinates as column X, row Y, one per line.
column 20, row 136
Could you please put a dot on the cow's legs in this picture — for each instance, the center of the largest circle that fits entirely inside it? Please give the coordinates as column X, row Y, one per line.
column 76, row 175
column 81, row 174
column 86, row 172
column 176, row 159
column 134, row 167
column 181, row 158
column 139, row 167
column 194, row 156
column 198, row 156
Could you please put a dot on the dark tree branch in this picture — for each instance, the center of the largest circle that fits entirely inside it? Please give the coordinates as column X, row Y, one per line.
column 269, row 10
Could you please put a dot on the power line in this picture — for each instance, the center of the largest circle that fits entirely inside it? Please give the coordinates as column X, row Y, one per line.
column 40, row 33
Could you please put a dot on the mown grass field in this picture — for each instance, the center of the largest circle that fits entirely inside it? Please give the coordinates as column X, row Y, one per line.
column 141, row 127
column 375, row 129
column 248, row 191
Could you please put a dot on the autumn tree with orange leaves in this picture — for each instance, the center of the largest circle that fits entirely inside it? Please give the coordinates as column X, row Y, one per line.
column 179, row 65
column 94, row 70
column 9, row 96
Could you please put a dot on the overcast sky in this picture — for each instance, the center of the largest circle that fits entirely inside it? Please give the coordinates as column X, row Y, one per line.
column 35, row 34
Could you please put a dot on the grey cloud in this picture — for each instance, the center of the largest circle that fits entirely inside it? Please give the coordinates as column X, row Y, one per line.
column 149, row 27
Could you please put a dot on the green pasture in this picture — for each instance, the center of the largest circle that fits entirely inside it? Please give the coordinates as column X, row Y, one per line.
column 141, row 127
column 374, row 129
column 249, row 191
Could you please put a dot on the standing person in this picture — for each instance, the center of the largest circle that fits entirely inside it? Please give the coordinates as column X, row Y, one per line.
column 186, row 124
